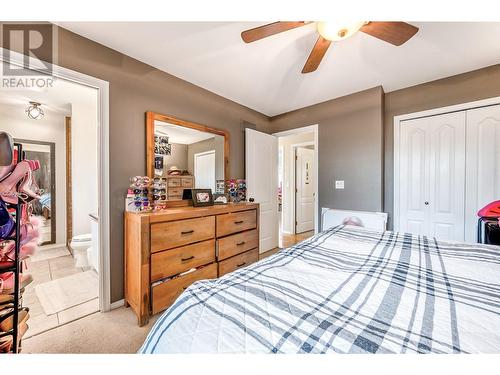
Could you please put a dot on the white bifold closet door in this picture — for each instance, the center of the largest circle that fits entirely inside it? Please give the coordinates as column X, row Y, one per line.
column 483, row 163
column 432, row 176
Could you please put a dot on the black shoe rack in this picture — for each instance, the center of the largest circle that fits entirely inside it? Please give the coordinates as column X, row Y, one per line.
column 16, row 268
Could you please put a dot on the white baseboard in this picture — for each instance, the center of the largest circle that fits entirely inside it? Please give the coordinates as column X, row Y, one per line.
column 117, row 304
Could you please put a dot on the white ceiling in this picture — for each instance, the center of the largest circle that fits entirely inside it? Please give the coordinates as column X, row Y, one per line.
column 180, row 134
column 265, row 75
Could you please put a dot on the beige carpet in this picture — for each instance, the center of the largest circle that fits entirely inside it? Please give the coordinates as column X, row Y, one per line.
column 64, row 293
column 112, row 332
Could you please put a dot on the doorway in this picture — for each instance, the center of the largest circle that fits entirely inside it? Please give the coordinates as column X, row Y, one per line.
column 270, row 169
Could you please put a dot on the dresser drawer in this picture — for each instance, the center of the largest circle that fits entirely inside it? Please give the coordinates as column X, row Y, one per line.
column 164, row 294
column 173, row 182
column 236, row 222
column 172, row 262
column 183, row 232
column 187, row 182
column 237, row 243
column 238, row 261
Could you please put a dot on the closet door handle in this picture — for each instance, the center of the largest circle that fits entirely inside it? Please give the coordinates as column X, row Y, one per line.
column 241, row 243
column 239, row 222
column 426, row 203
column 187, row 232
column 186, row 259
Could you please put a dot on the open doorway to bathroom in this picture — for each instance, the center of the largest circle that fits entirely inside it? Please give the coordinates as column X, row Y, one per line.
column 65, row 268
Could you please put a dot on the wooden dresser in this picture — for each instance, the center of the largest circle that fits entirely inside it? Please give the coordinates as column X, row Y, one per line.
column 161, row 247
column 177, row 184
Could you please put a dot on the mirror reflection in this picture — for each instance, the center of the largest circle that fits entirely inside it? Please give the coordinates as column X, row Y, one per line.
column 188, row 159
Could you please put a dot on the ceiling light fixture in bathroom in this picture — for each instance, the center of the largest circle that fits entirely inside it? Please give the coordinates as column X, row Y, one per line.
column 34, row 111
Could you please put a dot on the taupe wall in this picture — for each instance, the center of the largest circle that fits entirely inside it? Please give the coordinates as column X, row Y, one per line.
column 134, row 89
column 479, row 84
column 350, row 148
column 177, row 158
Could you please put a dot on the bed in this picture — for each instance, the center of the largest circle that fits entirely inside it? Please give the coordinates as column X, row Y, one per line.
column 345, row 290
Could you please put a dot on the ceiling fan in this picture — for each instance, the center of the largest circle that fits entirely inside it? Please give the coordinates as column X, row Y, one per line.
column 395, row 33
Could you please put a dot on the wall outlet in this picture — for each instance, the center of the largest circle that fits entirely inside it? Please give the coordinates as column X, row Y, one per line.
column 339, row 184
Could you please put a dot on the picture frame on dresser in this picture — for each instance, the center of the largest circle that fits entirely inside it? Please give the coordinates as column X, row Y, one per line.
column 202, row 197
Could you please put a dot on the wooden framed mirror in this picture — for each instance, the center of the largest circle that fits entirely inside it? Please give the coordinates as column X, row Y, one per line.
column 187, row 154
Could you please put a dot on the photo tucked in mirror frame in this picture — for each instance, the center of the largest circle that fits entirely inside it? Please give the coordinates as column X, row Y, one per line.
column 186, row 156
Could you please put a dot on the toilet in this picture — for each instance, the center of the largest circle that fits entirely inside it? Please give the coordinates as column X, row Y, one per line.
column 80, row 244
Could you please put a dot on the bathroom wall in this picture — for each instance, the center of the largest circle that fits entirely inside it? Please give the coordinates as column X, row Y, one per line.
column 84, row 152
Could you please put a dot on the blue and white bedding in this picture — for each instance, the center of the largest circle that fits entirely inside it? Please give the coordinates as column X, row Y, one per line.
column 345, row 290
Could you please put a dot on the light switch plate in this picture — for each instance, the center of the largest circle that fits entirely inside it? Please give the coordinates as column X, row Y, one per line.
column 339, row 184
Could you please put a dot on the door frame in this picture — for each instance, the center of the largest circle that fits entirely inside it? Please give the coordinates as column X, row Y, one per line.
column 102, row 87
column 416, row 115
column 294, row 148
column 53, row 191
column 307, row 129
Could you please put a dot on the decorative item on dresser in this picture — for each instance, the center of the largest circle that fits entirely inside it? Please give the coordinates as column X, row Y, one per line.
column 168, row 250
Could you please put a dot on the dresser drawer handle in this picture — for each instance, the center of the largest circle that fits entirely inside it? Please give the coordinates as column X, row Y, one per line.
column 241, row 264
column 186, row 259
column 239, row 222
column 241, row 243
column 187, row 232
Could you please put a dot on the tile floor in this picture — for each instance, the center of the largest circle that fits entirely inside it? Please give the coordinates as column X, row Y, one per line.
column 51, row 263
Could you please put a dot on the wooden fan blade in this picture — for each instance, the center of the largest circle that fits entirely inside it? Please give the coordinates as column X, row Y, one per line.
column 395, row 33
column 316, row 55
column 261, row 32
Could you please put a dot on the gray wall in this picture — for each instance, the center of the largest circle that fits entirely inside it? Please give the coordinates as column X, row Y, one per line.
column 350, row 147
column 134, row 89
column 178, row 158
column 476, row 85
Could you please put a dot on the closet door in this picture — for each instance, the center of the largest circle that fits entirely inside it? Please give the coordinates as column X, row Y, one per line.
column 483, row 163
column 413, row 174
column 432, row 176
column 446, row 195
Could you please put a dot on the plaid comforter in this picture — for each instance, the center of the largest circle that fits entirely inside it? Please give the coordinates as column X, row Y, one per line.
column 345, row 290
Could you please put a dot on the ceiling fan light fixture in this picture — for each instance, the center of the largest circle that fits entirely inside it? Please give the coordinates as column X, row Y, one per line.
column 335, row 31
column 34, row 111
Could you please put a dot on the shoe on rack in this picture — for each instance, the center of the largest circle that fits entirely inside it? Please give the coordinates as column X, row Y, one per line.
column 7, row 319
column 7, row 223
column 8, row 192
column 7, row 282
column 6, row 341
column 8, row 253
